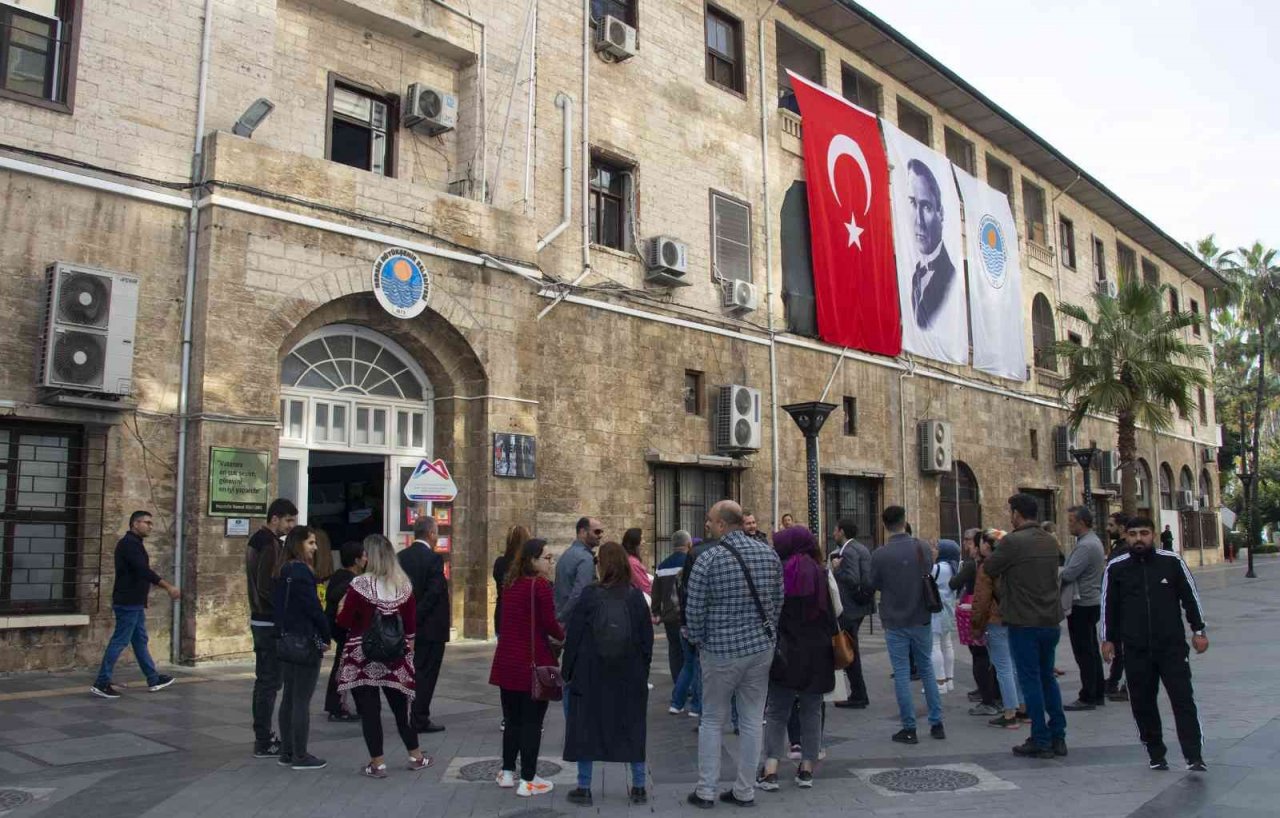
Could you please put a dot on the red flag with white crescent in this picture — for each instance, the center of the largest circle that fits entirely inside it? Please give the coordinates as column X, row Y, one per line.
column 855, row 280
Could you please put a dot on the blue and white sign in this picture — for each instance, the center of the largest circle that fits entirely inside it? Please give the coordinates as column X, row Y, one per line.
column 401, row 283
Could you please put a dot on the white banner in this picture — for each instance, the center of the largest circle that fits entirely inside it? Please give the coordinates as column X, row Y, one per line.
column 995, row 280
column 926, row 237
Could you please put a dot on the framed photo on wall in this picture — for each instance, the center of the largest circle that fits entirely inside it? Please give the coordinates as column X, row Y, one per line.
column 514, row 455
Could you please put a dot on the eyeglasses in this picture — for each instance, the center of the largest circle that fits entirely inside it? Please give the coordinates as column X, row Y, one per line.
column 598, row 531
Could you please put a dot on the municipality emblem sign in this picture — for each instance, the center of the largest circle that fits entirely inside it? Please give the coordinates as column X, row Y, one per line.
column 430, row 482
column 994, row 253
column 401, row 283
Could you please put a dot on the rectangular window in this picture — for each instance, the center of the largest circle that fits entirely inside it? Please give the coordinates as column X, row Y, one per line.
column 682, row 496
column 860, row 89
column 38, row 40
column 1035, row 444
column 692, row 392
column 914, row 122
column 1067, row 242
column 329, row 422
column 624, row 10
column 1099, row 259
column 800, row 57
column 724, row 51
column 1126, row 262
column 1203, row 404
column 1173, row 302
column 410, row 430
column 293, row 419
column 1195, row 311
column 959, row 150
column 1033, row 211
column 730, row 238
column 608, row 204
column 1074, row 337
column 1150, row 273
column 1046, row 505
column 855, row 498
column 361, row 128
column 371, row 426
column 850, row 416
column 1000, row 177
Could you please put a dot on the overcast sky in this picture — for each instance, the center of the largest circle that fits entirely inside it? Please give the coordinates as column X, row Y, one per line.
column 1172, row 104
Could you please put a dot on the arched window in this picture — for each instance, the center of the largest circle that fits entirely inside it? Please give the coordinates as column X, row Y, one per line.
column 1166, row 486
column 1185, row 481
column 1206, row 489
column 1042, row 333
column 959, row 502
column 1143, row 474
column 346, row 387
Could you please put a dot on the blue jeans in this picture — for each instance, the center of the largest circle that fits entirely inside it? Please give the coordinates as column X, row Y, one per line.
column 1033, row 653
column 905, row 644
column 131, row 629
column 1002, row 659
column 689, row 683
column 584, row 774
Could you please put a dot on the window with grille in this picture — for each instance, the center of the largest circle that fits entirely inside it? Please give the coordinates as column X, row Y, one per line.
column 855, row 498
column 361, row 128
column 1203, row 404
column 959, row 150
column 1067, row 242
column 1000, row 177
column 959, row 501
column 724, row 50
column 1173, row 302
column 860, row 89
column 682, row 496
column 1043, row 335
column 914, row 122
column 1033, row 211
column 692, row 392
column 1195, row 312
column 624, row 10
column 798, row 56
column 38, row 51
column 1166, row 486
column 730, row 238
column 608, row 204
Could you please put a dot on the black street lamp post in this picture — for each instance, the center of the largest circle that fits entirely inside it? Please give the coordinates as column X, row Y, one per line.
column 1085, row 457
column 810, row 417
column 1246, row 480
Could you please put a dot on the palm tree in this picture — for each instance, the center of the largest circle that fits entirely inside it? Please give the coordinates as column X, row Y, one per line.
column 1215, row 258
column 1134, row 365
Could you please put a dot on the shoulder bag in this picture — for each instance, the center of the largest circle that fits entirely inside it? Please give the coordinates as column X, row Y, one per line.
column 778, row 666
column 295, row 648
column 932, row 597
column 547, row 685
column 841, row 640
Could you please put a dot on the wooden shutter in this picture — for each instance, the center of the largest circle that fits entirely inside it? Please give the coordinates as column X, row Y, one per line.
column 731, row 238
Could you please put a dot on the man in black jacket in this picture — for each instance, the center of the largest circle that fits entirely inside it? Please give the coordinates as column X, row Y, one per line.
column 1141, row 593
column 851, row 567
column 353, row 563
column 134, row 579
column 431, row 593
column 261, row 554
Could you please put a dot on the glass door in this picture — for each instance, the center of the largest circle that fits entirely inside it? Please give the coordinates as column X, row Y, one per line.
column 291, row 474
column 401, row 513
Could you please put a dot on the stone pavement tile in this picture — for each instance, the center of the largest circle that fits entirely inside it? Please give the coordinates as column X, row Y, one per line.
column 30, row 735
column 17, row 765
column 101, row 748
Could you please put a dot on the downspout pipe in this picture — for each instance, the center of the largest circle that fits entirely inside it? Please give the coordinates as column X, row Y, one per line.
column 565, row 103
column 586, row 139
column 189, row 289
column 765, row 110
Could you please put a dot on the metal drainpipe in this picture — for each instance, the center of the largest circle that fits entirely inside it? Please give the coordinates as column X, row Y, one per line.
column 586, row 141
column 565, row 103
column 184, row 389
column 768, row 265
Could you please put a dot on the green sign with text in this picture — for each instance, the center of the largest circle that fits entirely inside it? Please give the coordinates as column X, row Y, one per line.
column 239, row 482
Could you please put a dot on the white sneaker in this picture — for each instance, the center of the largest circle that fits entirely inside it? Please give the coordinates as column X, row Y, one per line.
column 506, row 779
column 675, row 711
column 539, row 781
column 537, row 786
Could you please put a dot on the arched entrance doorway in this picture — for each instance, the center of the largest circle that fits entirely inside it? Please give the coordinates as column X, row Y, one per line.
column 959, row 502
column 356, row 417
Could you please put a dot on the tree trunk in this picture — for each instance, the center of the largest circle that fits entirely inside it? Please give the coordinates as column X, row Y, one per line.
column 1127, row 444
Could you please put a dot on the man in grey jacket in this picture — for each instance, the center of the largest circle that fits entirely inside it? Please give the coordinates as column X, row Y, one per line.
column 1082, row 575
column 851, row 567
column 576, row 568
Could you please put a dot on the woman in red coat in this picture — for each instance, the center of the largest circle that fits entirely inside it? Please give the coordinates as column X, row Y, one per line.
column 382, row 588
column 528, row 624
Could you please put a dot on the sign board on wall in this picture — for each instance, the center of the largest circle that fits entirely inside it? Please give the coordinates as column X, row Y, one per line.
column 239, row 482
column 430, row 482
column 401, row 282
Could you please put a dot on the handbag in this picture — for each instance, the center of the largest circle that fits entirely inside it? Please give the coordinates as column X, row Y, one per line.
column 932, row 596
column 547, row 684
column 841, row 642
column 296, row 648
column 964, row 624
column 778, row 667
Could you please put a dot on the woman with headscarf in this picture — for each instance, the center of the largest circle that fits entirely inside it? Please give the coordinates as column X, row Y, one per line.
column 804, row 642
column 946, row 565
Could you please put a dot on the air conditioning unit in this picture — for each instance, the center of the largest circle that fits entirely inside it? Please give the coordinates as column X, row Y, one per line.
column 89, row 319
column 1108, row 287
column 740, row 296
column 1109, row 469
column 429, row 110
column 1064, row 440
column 615, row 38
column 738, row 419
column 1207, row 455
column 1185, row 499
column 935, row 446
column 666, row 262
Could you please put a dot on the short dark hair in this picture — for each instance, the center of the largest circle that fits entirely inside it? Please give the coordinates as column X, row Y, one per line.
column 1140, row 521
column 1083, row 513
column 351, row 552
column 281, row 507
column 584, row 524
column 848, row 526
column 1025, row 505
column 926, row 173
column 631, row 541
column 138, row 515
column 1120, row 518
column 894, row 517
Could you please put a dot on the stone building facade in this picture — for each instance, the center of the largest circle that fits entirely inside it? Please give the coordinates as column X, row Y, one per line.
column 264, row 243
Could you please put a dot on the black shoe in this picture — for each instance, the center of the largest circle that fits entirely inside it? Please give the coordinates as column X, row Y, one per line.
column 1060, row 747
column 162, row 681
column 267, row 749
column 700, row 802
column 429, row 727
column 1121, row 695
column 905, row 736
column 974, row 696
column 729, row 798
column 1159, row 764
column 1078, row 705
column 343, row 717
column 804, row 779
column 106, row 691
column 1197, row 766
column 580, row 797
column 1028, row 749
column 853, row 704
column 767, row 783
column 309, row 762
column 936, row 731
column 285, row 760
column 638, row 795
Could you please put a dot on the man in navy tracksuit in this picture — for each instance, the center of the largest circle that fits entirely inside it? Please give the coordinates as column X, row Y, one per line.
column 1141, row 594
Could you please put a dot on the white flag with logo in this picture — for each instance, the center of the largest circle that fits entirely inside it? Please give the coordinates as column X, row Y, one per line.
column 995, row 280
column 926, row 237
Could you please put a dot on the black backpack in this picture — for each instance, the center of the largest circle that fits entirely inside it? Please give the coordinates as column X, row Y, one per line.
column 384, row 640
column 611, row 626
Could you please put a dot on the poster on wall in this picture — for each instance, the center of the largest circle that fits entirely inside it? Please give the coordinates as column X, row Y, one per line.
column 930, row 257
column 514, row 455
column 238, row 482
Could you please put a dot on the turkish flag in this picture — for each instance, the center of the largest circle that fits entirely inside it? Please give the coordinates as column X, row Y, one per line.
column 855, row 280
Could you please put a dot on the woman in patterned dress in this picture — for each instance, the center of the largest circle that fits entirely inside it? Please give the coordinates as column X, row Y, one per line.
column 384, row 588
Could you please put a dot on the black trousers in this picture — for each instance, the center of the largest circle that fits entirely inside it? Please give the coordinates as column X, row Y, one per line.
column 295, row 707
column 1117, row 669
column 369, row 707
column 857, row 685
column 266, row 680
column 427, row 658
column 333, row 701
column 1147, row 669
column 675, row 652
column 984, row 675
column 523, row 733
column 1082, row 627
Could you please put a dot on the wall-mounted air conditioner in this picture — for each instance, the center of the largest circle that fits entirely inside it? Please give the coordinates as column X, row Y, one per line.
column 738, row 425
column 1109, row 469
column 429, row 110
column 740, row 296
column 88, row 326
column 666, row 262
column 1185, row 499
column 1108, row 287
column 1064, row 440
column 615, row 38
column 935, row 446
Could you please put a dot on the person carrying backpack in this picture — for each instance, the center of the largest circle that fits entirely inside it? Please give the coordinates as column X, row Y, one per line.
column 608, row 648
column 379, row 614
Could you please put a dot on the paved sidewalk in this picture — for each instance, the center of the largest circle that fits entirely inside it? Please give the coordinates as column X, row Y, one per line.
column 185, row 751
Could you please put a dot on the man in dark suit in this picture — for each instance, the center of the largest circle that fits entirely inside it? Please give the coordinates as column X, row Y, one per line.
column 851, row 567
column 935, row 272
column 431, row 593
